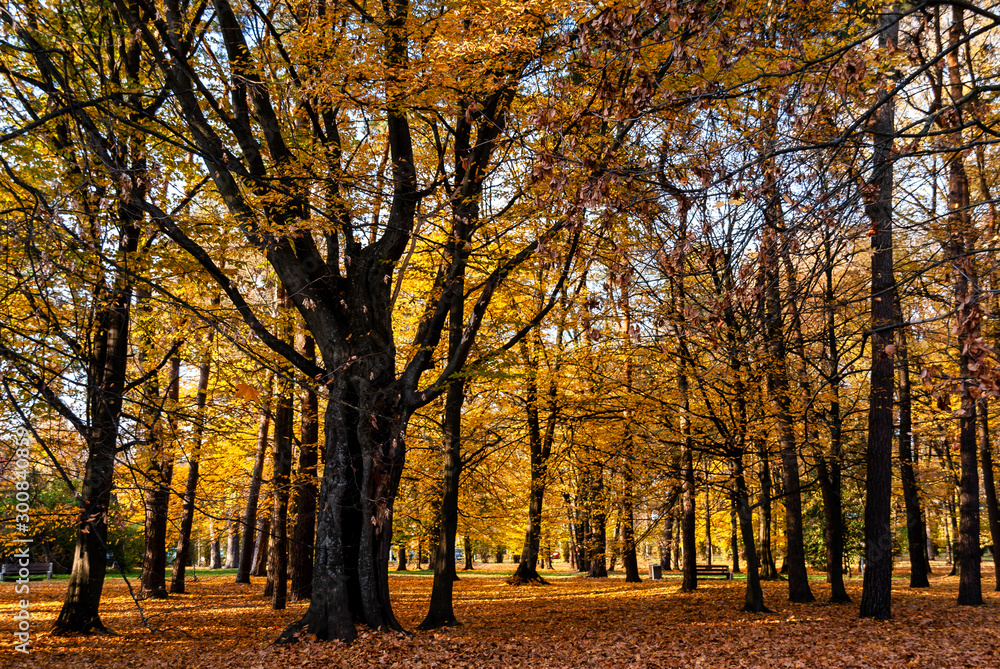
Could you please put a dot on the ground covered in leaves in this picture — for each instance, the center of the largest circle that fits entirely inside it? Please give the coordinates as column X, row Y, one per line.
column 574, row 622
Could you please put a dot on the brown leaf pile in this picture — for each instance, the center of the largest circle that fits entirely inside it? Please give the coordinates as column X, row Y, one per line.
column 575, row 622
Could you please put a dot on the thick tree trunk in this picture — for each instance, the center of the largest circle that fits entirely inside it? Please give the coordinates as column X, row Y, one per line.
column 441, row 612
column 106, row 376
column 246, row 563
column 159, row 471
column 261, row 547
column 667, row 544
column 597, row 541
column 689, row 581
column 876, row 599
column 753, row 600
column 303, row 501
column 467, row 545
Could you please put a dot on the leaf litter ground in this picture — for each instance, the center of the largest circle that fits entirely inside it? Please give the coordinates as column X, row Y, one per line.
column 574, row 622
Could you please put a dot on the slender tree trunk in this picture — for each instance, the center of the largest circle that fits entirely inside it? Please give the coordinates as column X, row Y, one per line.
column 467, row 545
column 876, row 599
column 277, row 562
column 968, row 317
column 734, row 542
column 214, row 547
column 232, row 542
column 768, row 570
column 916, row 533
column 690, row 567
column 598, row 539
column 989, row 487
column 194, row 459
column 778, row 389
column 246, row 564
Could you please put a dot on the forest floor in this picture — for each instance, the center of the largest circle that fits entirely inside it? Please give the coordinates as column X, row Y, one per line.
column 573, row 622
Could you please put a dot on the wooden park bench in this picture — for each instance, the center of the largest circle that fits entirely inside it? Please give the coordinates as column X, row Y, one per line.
column 34, row 569
column 705, row 571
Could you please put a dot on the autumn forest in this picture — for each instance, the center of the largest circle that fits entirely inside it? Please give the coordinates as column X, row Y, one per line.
column 499, row 333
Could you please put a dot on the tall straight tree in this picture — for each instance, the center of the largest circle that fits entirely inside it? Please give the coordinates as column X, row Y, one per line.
column 876, row 599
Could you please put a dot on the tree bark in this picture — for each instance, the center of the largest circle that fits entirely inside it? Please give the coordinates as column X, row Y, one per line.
column 261, row 547
column 753, row 600
column 277, row 561
column 876, row 592
column 106, row 377
column 303, row 501
column 989, row 487
column 778, row 390
column 246, row 564
column 159, row 471
column 916, row 532
column 194, row 458
column 232, row 542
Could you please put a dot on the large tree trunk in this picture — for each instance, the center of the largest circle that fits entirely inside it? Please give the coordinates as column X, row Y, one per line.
column 246, row 564
column 968, row 317
column 876, row 599
column 261, row 546
column 194, row 458
column 159, row 472
column 106, row 375
column 753, row 600
column 303, row 502
column 540, row 446
column 597, row 541
column 689, row 568
column 441, row 612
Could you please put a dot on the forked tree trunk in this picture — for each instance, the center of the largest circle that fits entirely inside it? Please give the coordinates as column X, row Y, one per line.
column 540, row 447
